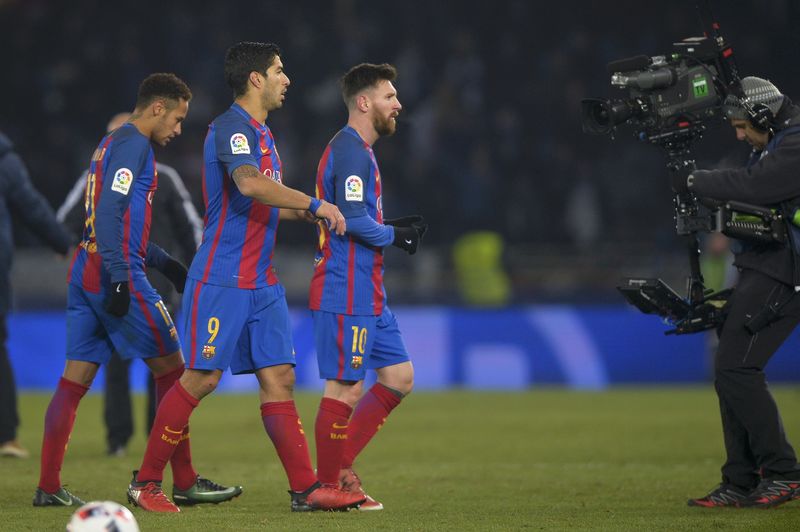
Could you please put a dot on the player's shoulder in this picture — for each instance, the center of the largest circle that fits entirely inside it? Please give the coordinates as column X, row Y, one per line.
column 231, row 119
column 347, row 146
column 129, row 138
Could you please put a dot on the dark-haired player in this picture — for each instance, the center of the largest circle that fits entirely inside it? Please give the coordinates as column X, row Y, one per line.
column 235, row 312
column 354, row 329
column 110, row 303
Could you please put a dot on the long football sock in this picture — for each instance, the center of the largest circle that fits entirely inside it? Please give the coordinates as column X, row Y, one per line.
column 58, row 422
column 331, row 436
column 183, row 474
column 286, row 432
column 172, row 417
column 370, row 414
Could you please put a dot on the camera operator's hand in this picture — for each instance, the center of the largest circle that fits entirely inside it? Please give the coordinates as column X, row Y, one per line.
column 679, row 181
column 119, row 299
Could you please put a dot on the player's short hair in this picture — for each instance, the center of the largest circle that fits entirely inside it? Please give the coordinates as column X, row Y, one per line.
column 363, row 76
column 162, row 85
column 245, row 57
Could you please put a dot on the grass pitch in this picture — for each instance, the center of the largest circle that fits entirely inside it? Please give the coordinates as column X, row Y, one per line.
column 625, row 459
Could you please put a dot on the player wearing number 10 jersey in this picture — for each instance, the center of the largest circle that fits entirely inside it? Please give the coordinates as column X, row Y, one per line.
column 353, row 328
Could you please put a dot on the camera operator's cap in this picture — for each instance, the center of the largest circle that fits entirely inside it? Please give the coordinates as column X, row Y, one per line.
column 757, row 90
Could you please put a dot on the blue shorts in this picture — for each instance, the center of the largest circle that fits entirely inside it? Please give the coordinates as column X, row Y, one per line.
column 146, row 331
column 244, row 329
column 349, row 345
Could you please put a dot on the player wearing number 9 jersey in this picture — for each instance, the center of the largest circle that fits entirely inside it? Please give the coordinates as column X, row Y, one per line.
column 110, row 303
column 354, row 329
column 234, row 309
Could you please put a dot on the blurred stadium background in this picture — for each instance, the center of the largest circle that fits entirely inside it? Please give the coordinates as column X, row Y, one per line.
column 532, row 222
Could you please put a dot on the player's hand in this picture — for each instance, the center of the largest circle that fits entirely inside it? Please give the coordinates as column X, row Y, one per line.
column 176, row 273
column 119, row 299
column 333, row 216
column 407, row 239
column 405, row 221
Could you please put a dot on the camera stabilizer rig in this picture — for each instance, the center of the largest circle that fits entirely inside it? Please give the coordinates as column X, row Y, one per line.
column 671, row 99
column 700, row 310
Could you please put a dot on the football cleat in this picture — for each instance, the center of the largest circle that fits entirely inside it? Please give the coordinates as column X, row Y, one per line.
column 722, row 495
column 149, row 496
column 204, row 491
column 319, row 497
column 350, row 482
column 772, row 493
column 62, row 497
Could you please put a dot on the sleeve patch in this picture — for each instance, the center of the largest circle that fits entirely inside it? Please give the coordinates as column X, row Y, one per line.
column 239, row 144
column 122, row 181
column 354, row 189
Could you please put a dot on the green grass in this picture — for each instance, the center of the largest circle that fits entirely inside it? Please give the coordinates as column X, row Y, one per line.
column 625, row 459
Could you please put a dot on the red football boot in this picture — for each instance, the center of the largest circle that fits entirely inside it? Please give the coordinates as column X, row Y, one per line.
column 319, row 497
column 149, row 496
column 349, row 481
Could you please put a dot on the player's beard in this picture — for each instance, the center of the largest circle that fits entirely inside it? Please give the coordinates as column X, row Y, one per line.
column 384, row 126
column 271, row 102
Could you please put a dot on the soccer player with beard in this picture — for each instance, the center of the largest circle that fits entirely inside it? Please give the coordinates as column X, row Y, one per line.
column 234, row 310
column 354, row 329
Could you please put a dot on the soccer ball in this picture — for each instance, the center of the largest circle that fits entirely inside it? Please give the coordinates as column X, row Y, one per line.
column 102, row 516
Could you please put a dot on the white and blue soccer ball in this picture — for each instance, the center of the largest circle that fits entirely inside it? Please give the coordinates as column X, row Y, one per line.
column 102, row 516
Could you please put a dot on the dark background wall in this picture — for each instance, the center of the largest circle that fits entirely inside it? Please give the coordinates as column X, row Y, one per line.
column 490, row 134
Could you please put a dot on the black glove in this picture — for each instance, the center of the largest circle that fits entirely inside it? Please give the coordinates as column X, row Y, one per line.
column 176, row 273
column 405, row 221
column 408, row 238
column 119, row 300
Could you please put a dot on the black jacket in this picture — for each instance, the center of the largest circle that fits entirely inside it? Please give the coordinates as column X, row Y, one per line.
column 773, row 180
column 18, row 197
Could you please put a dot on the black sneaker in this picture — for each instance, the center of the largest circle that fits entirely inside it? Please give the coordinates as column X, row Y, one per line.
column 60, row 498
column 722, row 495
column 772, row 493
column 204, row 491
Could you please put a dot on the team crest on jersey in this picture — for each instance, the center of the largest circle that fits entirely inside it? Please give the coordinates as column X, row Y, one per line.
column 122, row 181
column 356, row 361
column 239, row 144
column 209, row 351
column 354, row 189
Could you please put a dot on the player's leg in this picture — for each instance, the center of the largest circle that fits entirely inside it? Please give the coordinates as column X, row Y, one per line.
column 389, row 358
column 266, row 349
column 217, row 310
column 342, row 343
column 87, row 347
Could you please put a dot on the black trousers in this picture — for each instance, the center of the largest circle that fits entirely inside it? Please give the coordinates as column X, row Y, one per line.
column 755, row 441
column 117, row 411
column 9, row 417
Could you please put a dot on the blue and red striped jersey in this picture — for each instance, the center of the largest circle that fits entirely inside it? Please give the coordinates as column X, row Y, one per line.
column 120, row 185
column 348, row 270
column 238, row 232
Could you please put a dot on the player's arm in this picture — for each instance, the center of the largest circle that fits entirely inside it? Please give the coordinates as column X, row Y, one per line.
column 351, row 169
column 233, row 150
column 125, row 165
column 298, row 215
column 162, row 261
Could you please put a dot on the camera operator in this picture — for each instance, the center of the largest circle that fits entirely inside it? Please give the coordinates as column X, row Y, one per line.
column 761, row 469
